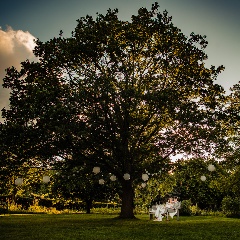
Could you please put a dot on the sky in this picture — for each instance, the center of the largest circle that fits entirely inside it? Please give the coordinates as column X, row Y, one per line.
column 23, row 21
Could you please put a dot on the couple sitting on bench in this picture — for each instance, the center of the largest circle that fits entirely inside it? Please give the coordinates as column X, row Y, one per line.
column 170, row 208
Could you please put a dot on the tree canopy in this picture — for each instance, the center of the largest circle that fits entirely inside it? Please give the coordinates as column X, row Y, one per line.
column 121, row 95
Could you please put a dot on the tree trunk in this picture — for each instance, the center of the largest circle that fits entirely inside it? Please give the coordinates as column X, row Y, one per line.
column 127, row 200
column 88, row 205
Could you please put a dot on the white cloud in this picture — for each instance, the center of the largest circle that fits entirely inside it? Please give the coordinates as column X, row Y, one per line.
column 15, row 46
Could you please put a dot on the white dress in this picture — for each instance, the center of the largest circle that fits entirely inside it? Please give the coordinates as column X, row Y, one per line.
column 172, row 209
column 160, row 210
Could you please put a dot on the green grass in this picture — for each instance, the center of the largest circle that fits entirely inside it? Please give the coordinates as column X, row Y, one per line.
column 98, row 226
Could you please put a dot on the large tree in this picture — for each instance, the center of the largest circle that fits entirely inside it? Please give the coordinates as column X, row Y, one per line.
column 121, row 95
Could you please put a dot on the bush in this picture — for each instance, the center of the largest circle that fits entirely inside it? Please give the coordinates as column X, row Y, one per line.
column 106, row 210
column 43, row 202
column 3, row 207
column 24, row 202
column 3, row 210
column 231, row 206
column 186, row 208
column 195, row 210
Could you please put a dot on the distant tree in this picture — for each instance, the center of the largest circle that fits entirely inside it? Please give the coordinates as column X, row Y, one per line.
column 82, row 184
column 120, row 95
column 232, row 153
column 233, row 183
column 157, row 189
column 207, row 192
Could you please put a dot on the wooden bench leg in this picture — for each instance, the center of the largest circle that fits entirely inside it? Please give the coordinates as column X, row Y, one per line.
column 177, row 214
column 151, row 215
column 167, row 216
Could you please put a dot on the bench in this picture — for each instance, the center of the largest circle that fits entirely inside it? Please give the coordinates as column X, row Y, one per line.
column 152, row 212
column 165, row 211
column 175, row 211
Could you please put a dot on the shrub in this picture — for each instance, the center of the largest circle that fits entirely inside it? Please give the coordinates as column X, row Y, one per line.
column 43, row 202
column 231, row 206
column 186, row 208
column 195, row 210
column 3, row 207
column 3, row 210
column 106, row 210
column 24, row 202
column 141, row 209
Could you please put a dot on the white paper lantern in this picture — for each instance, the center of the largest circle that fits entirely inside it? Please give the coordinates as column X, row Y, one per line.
column 101, row 181
column 144, row 177
column 203, row 178
column 18, row 181
column 96, row 170
column 46, row 179
column 113, row 178
column 211, row 167
column 143, row 185
column 126, row 176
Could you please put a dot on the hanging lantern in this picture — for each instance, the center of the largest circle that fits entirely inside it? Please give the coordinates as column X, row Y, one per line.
column 126, row 176
column 101, row 181
column 46, row 179
column 18, row 181
column 113, row 178
column 143, row 185
column 145, row 177
column 203, row 178
column 211, row 167
column 96, row 170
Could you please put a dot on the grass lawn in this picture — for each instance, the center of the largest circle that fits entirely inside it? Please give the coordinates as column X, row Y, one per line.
column 98, row 226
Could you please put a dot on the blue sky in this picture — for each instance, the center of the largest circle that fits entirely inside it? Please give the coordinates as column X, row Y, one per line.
column 43, row 19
